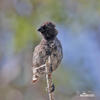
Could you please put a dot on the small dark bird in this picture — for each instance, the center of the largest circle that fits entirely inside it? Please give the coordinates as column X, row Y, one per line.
column 49, row 46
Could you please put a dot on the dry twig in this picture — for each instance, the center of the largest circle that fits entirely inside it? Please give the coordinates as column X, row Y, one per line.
column 49, row 79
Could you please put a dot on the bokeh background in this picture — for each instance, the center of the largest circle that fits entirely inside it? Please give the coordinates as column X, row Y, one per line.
column 78, row 23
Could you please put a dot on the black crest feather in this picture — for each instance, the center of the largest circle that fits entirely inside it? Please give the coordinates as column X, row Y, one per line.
column 48, row 30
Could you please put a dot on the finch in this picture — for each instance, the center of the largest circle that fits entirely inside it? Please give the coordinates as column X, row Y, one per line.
column 49, row 46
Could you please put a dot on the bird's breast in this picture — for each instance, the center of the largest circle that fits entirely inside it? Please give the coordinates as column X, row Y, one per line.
column 46, row 49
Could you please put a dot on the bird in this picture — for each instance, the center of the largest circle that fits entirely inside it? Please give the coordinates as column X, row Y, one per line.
column 48, row 46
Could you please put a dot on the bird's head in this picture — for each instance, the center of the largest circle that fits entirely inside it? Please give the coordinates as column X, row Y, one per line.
column 48, row 31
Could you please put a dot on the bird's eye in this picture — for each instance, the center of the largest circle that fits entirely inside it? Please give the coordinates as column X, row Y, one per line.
column 44, row 27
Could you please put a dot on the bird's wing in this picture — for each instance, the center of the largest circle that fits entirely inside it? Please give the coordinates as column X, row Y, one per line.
column 39, row 56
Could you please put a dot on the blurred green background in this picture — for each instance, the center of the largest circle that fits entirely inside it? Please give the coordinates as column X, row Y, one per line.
column 78, row 24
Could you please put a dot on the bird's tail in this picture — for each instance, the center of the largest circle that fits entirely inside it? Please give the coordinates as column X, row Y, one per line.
column 35, row 77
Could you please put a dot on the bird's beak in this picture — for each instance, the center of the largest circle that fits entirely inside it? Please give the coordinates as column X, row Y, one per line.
column 39, row 29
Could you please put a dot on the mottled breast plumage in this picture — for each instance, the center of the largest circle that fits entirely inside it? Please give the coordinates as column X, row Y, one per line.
column 46, row 48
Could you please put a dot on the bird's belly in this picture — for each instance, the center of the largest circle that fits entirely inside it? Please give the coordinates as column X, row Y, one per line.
column 41, row 57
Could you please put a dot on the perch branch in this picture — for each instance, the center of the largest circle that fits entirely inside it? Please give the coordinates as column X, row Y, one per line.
column 49, row 79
